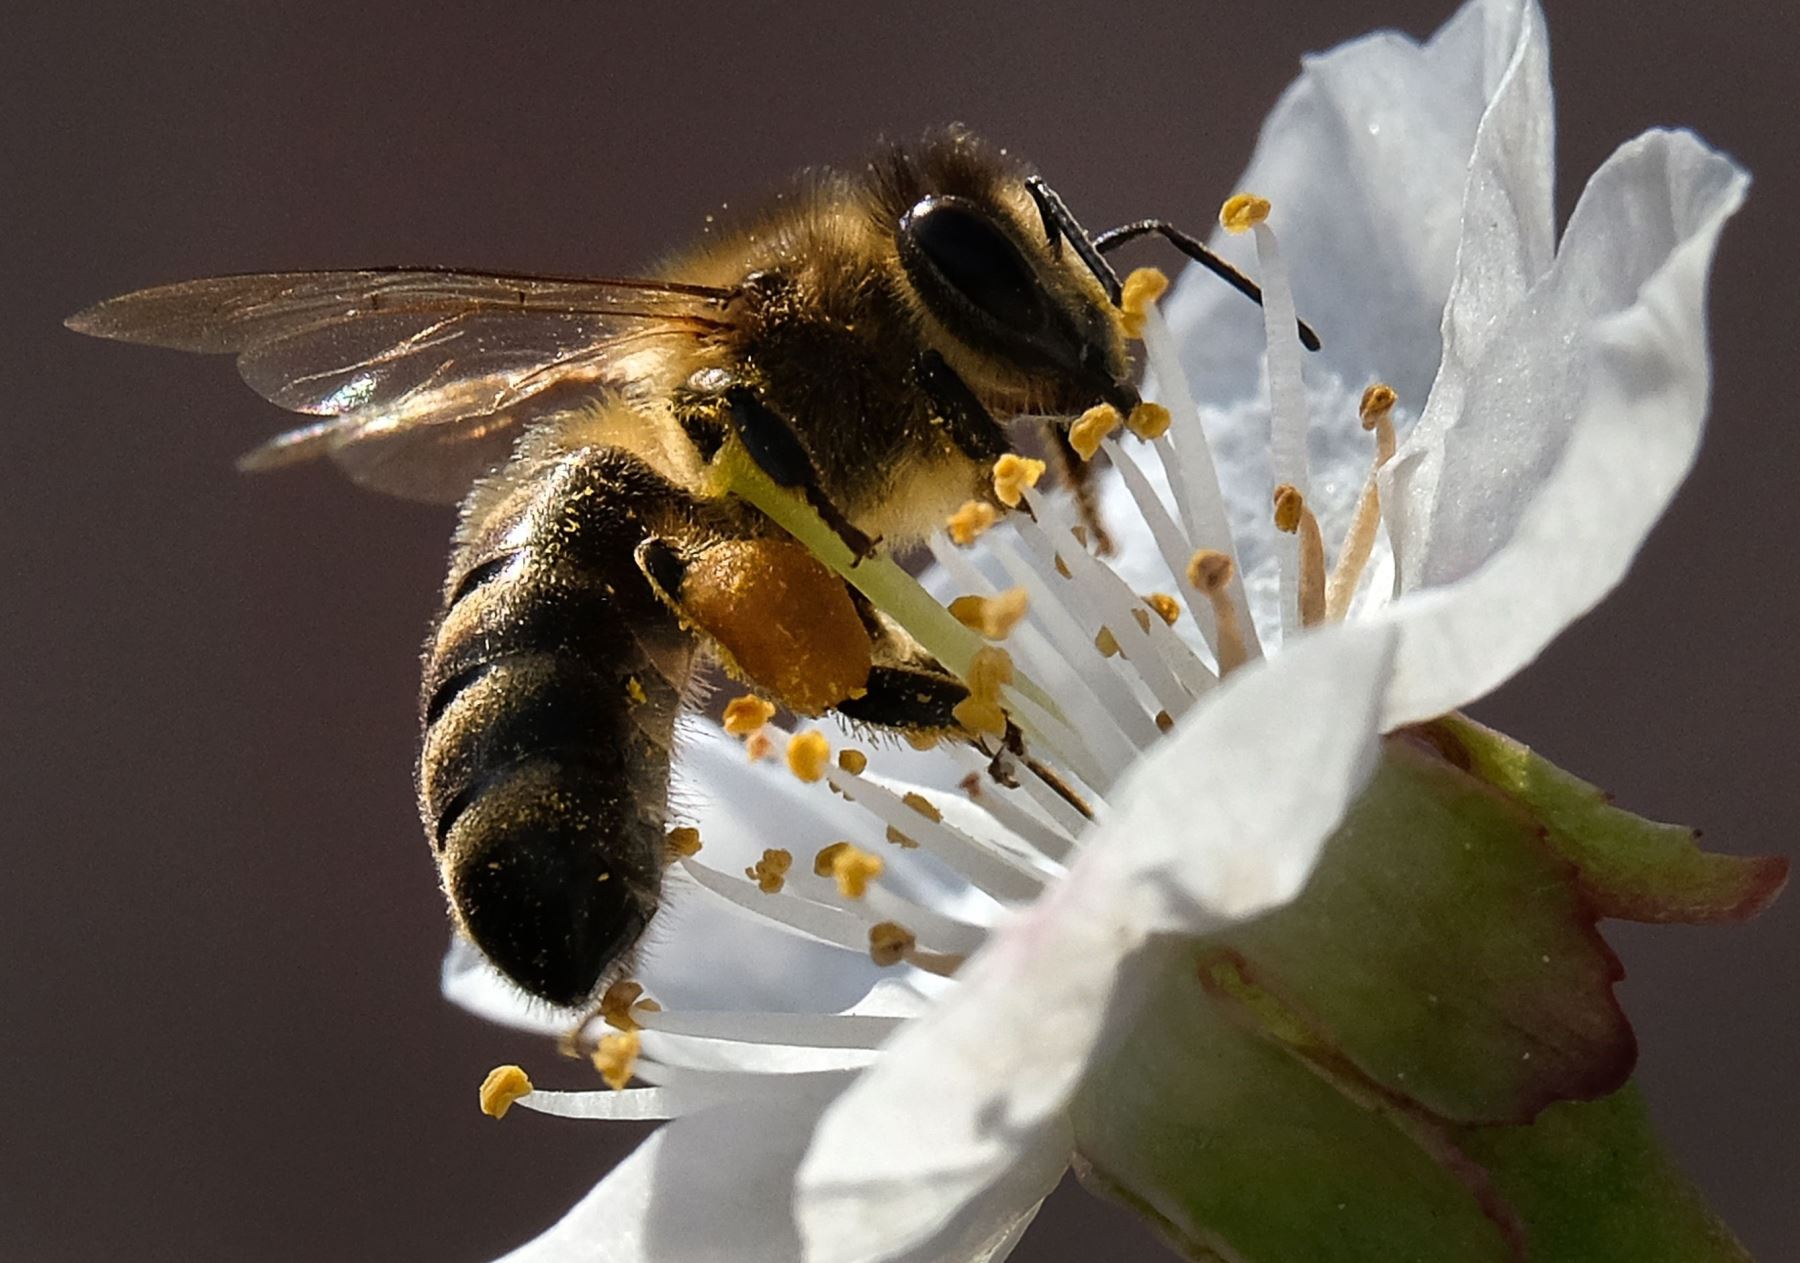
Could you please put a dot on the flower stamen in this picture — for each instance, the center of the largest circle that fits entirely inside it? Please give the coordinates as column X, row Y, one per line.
column 746, row 714
column 504, row 1087
column 1294, row 517
column 807, row 754
column 1359, row 541
column 616, row 1057
column 1141, row 290
column 993, row 617
column 1209, row 572
column 1091, row 427
column 770, row 872
column 1012, row 474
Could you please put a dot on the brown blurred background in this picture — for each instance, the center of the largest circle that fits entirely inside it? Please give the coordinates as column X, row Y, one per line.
column 220, row 1032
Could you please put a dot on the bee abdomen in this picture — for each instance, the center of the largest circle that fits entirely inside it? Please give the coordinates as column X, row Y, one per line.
column 550, row 693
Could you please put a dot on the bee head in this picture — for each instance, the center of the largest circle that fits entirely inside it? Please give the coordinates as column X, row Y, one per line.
column 1009, row 288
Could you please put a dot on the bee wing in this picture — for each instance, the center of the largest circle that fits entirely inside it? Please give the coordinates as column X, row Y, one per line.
column 423, row 378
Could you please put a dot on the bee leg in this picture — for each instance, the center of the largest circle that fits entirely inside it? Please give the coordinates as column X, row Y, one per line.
column 908, row 691
column 771, row 442
column 908, row 699
column 1078, row 476
column 971, row 426
column 733, row 591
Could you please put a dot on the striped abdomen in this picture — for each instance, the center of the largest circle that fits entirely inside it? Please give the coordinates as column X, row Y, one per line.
column 550, row 691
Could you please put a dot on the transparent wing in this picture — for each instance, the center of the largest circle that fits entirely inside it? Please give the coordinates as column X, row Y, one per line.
column 423, row 377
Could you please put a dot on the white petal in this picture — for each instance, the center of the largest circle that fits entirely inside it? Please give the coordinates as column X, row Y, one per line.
column 717, row 1187
column 1620, row 327
column 1506, row 238
column 1221, row 821
column 1364, row 159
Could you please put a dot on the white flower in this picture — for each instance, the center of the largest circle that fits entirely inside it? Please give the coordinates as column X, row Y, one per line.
column 829, row 1110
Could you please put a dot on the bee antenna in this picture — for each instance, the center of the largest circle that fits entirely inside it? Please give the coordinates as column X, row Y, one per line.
column 1060, row 223
column 1197, row 251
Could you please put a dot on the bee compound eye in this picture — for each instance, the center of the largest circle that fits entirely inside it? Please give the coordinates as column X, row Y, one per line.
column 971, row 255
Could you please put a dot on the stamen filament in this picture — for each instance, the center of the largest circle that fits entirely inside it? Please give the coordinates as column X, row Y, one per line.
column 1192, row 476
column 1287, row 408
column 1293, row 516
column 879, row 578
column 1359, row 541
column 1210, row 573
column 999, row 873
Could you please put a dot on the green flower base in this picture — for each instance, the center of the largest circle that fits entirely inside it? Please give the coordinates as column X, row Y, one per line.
column 1422, row 1058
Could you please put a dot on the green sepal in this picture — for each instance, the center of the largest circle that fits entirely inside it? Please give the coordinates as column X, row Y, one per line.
column 1422, row 1056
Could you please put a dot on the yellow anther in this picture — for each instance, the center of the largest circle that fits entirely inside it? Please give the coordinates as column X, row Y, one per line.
column 1142, row 288
column 683, row 841
column 923, row 740
column 1107, row 643
column 1377, row 401
column 622, row 1002
column 634, row 689
column 992, row 616
column 923, row 805
column 1289, row 505
column 899, row 839
column 826, row 859
column 616, row 1056
column 1209, row 570
column 1243, row 212
column 854, row 762
column 1091, row 427
column 503, row 1086
column 744, row 715
column 808, row 753
column 968, row 523
column 1164, row 721
column 759, row 746
column 1167, row 607
column 854, row 869
column 1148, row 420
column 990, row 670
column 976, row 715
column 770, row 872
column 1012, row 474
column 889, row 942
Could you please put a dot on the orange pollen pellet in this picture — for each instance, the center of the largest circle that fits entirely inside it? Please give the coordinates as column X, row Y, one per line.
column 744, row 715
column 1012, row 474
column 770, row 872
column 808, row 753
column 968, row 523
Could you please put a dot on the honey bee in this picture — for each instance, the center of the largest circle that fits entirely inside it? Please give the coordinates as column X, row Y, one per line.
column 864, row 343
